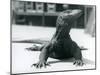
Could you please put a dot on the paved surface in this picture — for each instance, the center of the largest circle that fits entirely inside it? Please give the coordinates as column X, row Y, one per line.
column 23, row 59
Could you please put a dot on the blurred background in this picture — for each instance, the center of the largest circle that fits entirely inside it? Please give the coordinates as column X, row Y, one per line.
column 45, row 14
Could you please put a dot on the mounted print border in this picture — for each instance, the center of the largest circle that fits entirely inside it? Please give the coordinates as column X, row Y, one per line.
column 34, row 25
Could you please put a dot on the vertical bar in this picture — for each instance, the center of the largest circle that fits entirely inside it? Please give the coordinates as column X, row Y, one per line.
column 85, row 16
column 43, row 19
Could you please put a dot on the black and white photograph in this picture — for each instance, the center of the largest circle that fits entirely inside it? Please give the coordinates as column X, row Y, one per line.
column 52, row 37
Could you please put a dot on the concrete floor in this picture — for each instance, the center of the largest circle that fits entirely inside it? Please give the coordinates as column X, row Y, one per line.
column 23, row 59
